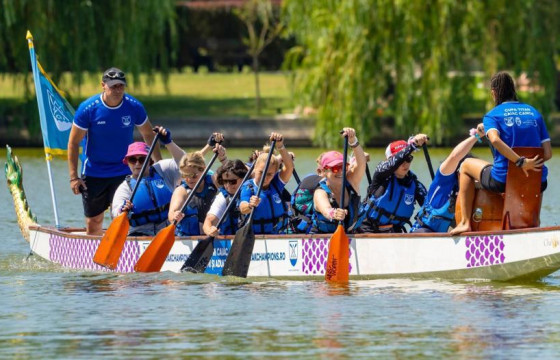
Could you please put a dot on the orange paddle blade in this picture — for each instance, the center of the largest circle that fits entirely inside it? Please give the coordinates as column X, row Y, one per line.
column 110, row 248
column 338, row 262
column 155, row 254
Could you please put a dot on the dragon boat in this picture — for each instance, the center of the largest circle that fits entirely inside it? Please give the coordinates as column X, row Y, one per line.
column 502, row 255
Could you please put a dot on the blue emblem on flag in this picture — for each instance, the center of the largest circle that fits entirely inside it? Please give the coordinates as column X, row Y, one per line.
column 293, row 252
column 55, row 113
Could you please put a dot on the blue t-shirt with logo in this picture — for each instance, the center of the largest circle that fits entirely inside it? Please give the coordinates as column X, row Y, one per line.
column 441, row 189
column 518, row 124
column 109, row 132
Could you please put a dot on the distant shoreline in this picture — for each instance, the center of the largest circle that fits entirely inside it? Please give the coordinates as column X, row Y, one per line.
column 249, row 132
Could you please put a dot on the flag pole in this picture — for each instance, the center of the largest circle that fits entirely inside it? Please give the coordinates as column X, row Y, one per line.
column 42, row 119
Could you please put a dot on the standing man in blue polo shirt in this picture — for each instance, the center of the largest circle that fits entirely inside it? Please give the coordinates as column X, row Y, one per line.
column 107, row 122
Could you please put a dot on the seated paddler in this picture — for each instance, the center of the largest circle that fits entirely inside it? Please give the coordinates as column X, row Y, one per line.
column 508, row 125
column 327, row 210
column 148, row 210
column 229, row 177
column 192, row 166
column 271, row 212
column 438, row 212
column 394, row 189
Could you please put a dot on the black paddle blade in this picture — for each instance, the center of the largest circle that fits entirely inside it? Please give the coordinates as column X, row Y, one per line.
column 200, row 257
column 239, row 256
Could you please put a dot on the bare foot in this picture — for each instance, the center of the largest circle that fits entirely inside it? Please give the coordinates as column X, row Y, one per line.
column 461, row 228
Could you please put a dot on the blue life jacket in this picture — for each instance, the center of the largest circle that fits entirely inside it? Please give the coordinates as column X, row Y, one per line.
column 321, row 224
column 271, row 216
column 151, row 201
column 302, row 204
column 196, row 210
column 437, row 220
column 230, row 225
column 394, row 206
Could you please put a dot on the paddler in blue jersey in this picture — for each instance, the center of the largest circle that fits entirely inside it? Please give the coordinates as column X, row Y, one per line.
column 438, row 212
column 509, row 124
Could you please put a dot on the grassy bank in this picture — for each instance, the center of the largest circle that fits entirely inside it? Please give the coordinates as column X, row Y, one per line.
column 188, row 94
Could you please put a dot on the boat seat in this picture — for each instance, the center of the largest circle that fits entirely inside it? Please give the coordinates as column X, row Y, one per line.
column 523, row 198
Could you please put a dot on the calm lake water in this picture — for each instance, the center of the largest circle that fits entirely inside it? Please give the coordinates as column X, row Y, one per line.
column 49, row 312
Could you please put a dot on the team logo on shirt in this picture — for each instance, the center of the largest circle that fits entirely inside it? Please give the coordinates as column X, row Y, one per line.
column 159, row 183
column 126, row 120
column 408, row 199
column 276, row 198
column 518, row 121
column 508, row 121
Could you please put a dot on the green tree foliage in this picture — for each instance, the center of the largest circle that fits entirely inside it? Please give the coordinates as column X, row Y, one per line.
column 88, row 35
column 263, row 26
column 415, row 60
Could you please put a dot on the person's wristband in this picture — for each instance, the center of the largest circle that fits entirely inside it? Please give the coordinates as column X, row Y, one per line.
column 355, row 143
column 331, row 214
column 76, row 178
column 519, row 163
column 474, row 132
column 211, row 140
column 166, row 140
column 412, row 141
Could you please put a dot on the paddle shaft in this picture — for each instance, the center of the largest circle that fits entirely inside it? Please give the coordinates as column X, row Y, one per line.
column 146, row 162
column 232, row 201
column 250, row 220
column 193, row 191
column 296, row 176
column 368, row 174
column 428, row 161
column 344, row 163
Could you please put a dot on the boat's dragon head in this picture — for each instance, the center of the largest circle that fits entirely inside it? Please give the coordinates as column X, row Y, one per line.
column 14, row 177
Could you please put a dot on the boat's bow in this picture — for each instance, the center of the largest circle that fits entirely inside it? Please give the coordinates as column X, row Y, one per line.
column 14, row 177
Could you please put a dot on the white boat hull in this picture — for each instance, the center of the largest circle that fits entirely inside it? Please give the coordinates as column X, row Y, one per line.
column 500, row 255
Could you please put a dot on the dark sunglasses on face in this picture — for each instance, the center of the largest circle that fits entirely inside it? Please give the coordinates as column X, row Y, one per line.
column 229, row 181
column 335, row 169
column 133, row 160
column 409, row 158
column 115, row 74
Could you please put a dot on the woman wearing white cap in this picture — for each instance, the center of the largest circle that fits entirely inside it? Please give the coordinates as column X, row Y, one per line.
column 326, row 209
column 394, row 189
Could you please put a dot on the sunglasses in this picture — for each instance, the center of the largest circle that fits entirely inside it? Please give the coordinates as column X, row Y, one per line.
column 133, row 160
column 335, row 169
column 230, row 181
column 191, row 175
column 115, row 74
column 409, row 158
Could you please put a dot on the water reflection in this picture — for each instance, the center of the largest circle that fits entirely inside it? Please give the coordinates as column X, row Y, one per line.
column 57, row 313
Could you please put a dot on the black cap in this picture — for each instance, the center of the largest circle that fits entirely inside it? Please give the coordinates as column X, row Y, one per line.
column 113, row 76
